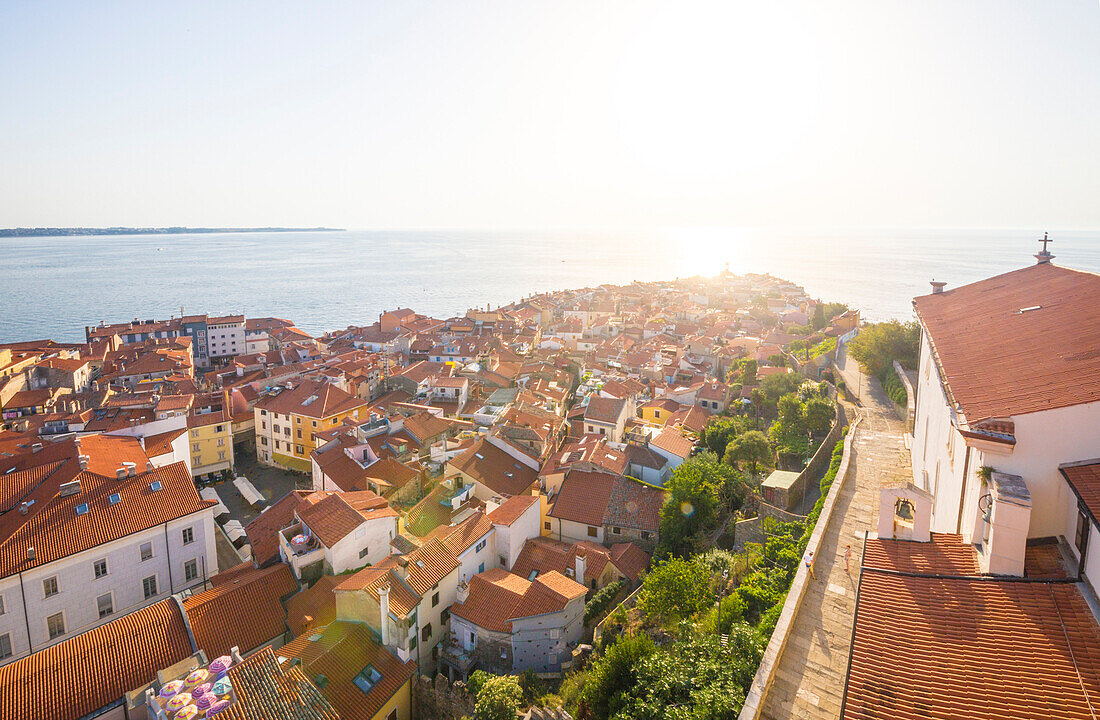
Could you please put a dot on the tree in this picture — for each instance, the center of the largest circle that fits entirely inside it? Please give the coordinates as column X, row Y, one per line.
column 877, row 346
column 751, row 447
column 819, row 319
column 720, row 430
column 613, row 675
column 696, row 488
column 743, row 372
column 498, row 698
column 819, row 414
column 675, row 589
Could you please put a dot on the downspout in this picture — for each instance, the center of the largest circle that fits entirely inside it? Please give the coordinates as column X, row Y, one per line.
column 168, row 553
column 26, row 617
column 962, row 495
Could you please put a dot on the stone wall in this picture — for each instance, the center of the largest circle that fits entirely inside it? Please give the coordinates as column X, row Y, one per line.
column 439, row 699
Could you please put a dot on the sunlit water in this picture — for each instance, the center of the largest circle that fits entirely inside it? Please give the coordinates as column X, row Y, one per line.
column 53, row 287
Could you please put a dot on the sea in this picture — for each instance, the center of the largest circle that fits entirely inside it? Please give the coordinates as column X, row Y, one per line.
column 52, row 287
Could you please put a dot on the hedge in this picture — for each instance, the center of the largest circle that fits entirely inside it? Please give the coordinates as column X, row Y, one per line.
column 602, row 600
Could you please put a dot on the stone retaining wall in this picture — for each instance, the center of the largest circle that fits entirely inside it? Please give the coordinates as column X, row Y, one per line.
column 765, row 674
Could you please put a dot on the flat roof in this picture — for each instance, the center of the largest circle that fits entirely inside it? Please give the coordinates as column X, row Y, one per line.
column 781, row 479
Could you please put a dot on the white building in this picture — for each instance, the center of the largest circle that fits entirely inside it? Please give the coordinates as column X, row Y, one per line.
column 333, row 532
column 91, row 543
column 225, row 336
column 1008, row 392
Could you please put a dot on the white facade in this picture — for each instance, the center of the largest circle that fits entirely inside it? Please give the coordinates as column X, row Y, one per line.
column 226, row 339
column 479, row 557
column 948, row 465
column 174, row 557
column 511, row 538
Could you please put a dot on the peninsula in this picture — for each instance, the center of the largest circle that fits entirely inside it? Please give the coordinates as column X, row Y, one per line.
column 60, row 232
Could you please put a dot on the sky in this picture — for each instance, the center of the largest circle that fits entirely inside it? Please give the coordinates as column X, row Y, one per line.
column 511, row 114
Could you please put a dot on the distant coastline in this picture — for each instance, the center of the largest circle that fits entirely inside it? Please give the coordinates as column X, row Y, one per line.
column 63, row 232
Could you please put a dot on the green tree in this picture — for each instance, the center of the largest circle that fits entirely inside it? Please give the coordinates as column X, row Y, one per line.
column 498, row 697
column 696, row 489
column 743, row 372
column 877, row 346
column 675, row 589
column 613, row 676
column 751, row 447
column 721, row 429
column 818, row 413
column 819, row 319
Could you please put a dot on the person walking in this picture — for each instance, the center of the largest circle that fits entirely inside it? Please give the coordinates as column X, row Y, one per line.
column 810, row 564
column 847, row 559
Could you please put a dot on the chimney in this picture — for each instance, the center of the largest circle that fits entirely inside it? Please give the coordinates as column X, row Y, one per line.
column 37, row 447
column 937, row 286
column 148, row 466
column 120, row 473
column 384, row 602
column 131, row 468
column 83, row 461
column 463, row 592
column 580, row 567
column 30, row 554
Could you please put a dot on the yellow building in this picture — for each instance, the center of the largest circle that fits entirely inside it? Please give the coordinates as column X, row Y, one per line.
column 657, row 412
column 210, row 439
column 286, row 419
column 363, row 679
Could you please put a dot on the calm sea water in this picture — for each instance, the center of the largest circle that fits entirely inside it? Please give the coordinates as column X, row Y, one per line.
column 53, row 287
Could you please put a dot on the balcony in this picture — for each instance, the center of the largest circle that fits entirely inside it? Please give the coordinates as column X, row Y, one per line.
column 300, row 548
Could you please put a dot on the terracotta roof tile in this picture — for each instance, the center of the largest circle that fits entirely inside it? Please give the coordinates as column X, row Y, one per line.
column 265, row 688
column 1020, row 342
column 946, row 554
column 512, row 509
column 327, row 400
column 495, row 469
column 403, row 599
column 957, row 648
column 1084, row 479
column 55, row 530
column 245, row 612
column 105, row 663
column 583, row 497
column 498, row 596
column 314, row 606
column 673, row 441
column 341, row 651
column 263, row 528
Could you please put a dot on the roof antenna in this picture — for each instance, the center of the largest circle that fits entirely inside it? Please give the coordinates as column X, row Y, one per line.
column 1045, row 255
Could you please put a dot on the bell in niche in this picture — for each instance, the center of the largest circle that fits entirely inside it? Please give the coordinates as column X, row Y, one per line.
column 903, row 510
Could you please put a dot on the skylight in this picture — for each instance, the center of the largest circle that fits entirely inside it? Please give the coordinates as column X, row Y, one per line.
column 367, row 679
column 155, row 485
column 115, row 498
column 81, row 508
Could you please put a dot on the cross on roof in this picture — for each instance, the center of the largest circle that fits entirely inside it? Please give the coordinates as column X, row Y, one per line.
column 1046, row 239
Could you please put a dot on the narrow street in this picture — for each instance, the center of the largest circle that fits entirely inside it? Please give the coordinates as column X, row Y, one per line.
column 810, row 675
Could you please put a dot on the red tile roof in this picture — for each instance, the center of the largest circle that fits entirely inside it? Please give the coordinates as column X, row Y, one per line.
column 263, row 528
column 512, row 509
column 341, row 651
column 498, row 596
column 403, row 599
column 313, row 607
column 81, row 675
column 938, row 648
column 495, row 469
column 327, row 400
column 265, row 688
column 55, row 530
column 1018, row 343
column 583, row 497
column 673, row 441
column 1084, row 479
column 245, row 612
column 331, row 516
column 946, row 554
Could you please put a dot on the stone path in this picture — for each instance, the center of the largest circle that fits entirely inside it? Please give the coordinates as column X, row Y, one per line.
column 809, row 678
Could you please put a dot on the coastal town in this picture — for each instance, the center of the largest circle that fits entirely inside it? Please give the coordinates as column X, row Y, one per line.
column 716, row 493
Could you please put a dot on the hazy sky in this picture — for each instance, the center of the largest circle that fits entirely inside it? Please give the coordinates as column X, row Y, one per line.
column 524, row 114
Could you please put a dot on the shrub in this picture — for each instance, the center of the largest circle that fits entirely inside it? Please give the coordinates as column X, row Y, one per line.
column 893, row 386
column 601, row 601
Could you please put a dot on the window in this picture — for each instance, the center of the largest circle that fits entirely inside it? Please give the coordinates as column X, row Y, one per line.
column 481, row 568
column 146, row 551
column 480, row 546
column 1, row 604
column 314, row 423
column 221, row 455
column 299, row 430
column 263, row 425
column 646, row 534
column 617, row 531
column 275, row 428
column 263, row 441
column 221, row 442
column 392, row 715
column 5, row 646
column 445, row 616
column 100, row 568
column 105, row 605
column 188, row 536
column 412, row 643
column 149, row 586
column 546, row 524
column 298, row 449
column 56, row 625
column 367, row 679
column 363, row 553
column 435, row 599
column 263, row 412
column 502, row 561
column 219, row 429
column 49, row 586
column 426, row 632
column 190, row 570
column 593, row 531
column 195, row 447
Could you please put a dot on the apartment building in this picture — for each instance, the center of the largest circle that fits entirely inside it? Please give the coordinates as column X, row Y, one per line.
column 287, row 417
